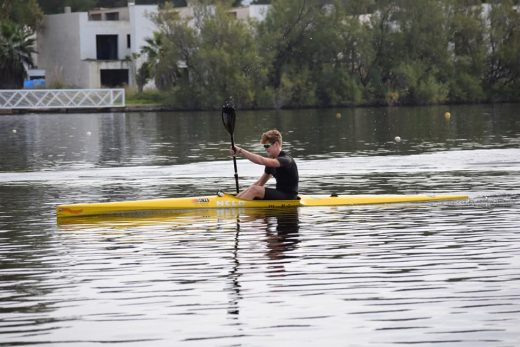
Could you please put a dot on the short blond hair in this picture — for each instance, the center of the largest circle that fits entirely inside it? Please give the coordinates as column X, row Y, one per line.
column 272, row 136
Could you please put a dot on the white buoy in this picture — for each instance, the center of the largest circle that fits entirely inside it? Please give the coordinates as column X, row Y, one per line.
column 397, row 139
column 14, row 131
column 89, row 133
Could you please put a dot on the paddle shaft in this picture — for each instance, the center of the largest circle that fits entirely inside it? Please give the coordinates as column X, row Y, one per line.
column 228, row 118
column 235, row 162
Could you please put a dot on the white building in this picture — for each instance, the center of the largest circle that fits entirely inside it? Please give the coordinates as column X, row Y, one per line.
column 95, row 49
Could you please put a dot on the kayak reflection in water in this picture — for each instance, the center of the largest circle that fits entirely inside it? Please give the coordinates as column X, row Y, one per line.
column 278, row 164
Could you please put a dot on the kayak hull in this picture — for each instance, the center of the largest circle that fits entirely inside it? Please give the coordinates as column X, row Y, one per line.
column 230, row 201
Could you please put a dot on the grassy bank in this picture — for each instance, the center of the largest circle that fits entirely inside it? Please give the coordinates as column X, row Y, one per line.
column 146, row 98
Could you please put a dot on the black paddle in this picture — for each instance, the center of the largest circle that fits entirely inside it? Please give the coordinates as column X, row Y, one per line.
column 228, row 118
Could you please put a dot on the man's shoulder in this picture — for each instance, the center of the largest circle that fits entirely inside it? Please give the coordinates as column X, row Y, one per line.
column 285, row 158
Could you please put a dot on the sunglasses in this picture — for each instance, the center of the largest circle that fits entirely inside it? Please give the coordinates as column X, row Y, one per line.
column 266, row 146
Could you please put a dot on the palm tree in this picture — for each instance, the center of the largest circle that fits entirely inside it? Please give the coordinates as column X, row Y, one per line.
column 16, row 47
column 153, row 50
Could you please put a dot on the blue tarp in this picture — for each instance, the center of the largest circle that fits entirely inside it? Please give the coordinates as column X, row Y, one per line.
column 36, row 83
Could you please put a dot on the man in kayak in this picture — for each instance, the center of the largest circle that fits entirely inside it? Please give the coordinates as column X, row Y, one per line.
column 277, row 164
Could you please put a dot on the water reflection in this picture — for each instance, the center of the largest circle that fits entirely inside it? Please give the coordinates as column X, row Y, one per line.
column 234, row 277
column 282, row 236
column 56, row 141
column 280, row 228
column 385, row 273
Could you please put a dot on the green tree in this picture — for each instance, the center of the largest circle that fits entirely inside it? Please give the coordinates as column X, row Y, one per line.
column 286, row 40
column 329, row 52
column 179, row 3
column 179, row 43
column 332, row 55
column 153, row 50
column 342, row 55
column 227, row 60
column 420, row 51
column 111, row 3
column 377, row 57
column 16, row 47
column 467, row 28
column 211, row 58
column 359, row 7
column 58, row 6
column 502, row 81
column 21, row 12
column 142, row 76
column 18, row 20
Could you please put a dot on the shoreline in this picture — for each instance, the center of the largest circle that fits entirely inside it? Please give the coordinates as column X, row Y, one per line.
column 128, row 108
column 165, row 108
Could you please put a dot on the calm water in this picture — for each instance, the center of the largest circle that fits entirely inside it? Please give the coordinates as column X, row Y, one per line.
column 442, row 274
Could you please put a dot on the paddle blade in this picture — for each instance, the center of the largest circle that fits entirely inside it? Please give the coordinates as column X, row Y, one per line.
column 228, row 115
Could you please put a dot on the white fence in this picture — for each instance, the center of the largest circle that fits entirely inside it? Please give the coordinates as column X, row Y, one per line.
column 61, row 98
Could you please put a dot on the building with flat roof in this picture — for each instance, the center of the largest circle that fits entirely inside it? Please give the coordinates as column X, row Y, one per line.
column 96, row 49
column 93, row 49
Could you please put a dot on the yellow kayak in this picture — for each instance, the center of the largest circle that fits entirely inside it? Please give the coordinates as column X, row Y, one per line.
column 223, row 200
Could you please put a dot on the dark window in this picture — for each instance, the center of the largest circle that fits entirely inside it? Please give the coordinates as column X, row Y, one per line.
column 106, row 47
column 95, row 16
column 114, row 78
column 128, row 41
column 112, row 16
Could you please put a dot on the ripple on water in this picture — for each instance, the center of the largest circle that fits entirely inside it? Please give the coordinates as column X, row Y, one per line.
column 433, row 273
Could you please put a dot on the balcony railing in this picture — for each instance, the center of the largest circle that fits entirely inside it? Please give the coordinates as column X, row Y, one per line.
column 61, row 98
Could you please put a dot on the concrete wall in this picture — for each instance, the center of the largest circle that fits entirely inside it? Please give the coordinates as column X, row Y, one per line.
column 59, row 50
column 67, row 48
column 90, row 29
column 258, row 12
column 142, row 25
